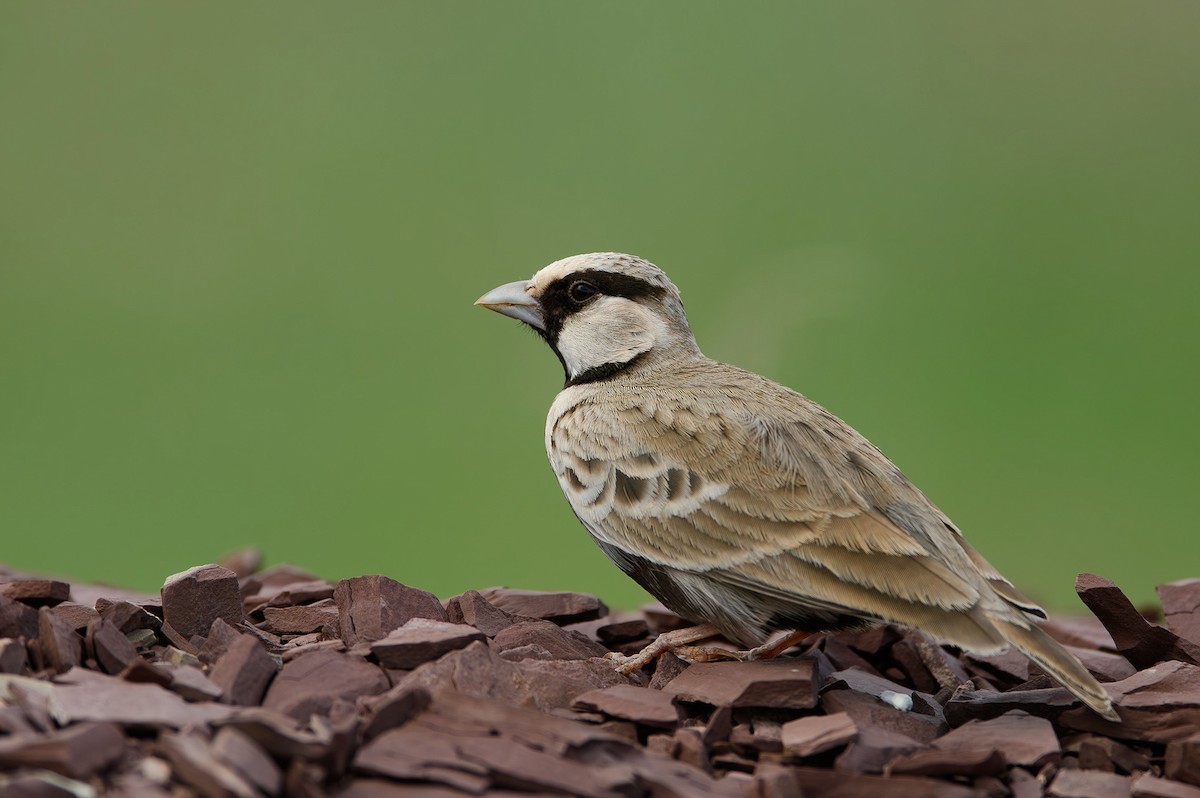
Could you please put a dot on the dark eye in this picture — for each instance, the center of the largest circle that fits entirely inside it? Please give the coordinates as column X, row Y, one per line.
column 581, row 292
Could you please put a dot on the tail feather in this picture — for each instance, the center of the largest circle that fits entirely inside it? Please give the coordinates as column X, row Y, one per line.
column 1060, row 664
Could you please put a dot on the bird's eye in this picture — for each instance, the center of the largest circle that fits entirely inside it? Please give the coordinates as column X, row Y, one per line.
column 581, row 292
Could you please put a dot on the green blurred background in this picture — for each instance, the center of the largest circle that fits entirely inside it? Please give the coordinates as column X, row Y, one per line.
column 240, row 242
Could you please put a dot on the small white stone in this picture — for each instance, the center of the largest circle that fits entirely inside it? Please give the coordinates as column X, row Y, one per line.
column 900, row 701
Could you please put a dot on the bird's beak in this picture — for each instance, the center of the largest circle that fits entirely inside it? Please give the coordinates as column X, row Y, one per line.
column 513, row 299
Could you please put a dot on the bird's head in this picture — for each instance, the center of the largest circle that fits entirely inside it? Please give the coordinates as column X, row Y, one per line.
column 601, row 313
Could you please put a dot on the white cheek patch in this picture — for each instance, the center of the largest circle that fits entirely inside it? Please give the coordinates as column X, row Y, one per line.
column 609, row 330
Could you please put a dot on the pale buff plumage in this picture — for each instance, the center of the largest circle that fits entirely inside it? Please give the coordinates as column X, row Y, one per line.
column 739, row 502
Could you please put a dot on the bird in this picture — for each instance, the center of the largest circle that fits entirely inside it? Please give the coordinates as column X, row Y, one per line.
column 740, row 504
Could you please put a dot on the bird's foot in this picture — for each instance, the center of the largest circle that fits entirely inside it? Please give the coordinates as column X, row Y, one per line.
column 773, row 648
column 674, row 641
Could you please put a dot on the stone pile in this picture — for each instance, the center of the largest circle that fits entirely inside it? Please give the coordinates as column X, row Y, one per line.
column 239, row 682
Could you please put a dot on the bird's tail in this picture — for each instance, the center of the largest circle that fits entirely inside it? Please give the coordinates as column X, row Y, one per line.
column 1060, row 664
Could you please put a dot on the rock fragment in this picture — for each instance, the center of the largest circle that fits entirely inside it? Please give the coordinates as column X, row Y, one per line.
column 371, row 606
column 194, row 598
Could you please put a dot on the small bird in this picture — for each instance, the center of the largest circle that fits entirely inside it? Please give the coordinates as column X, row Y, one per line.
column 740, row 504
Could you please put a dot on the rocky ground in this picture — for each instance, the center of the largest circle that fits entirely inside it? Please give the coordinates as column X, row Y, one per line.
column 239, row 682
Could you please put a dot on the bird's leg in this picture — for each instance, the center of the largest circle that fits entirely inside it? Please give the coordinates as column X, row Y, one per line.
column 674, row 641
column 931, row 656
column 773, row 648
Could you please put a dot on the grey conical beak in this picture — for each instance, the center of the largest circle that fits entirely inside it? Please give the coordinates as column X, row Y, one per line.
column 513, row 299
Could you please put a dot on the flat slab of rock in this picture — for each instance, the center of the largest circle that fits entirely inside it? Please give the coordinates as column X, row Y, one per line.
column 420, row 640
column 369, row 607
column 1181, row 607
column 310, row 684
column 77, row 752
column 538, row 639
column 816, row 734
column 1075, row 783
column 193, row 599
column 473, row 609
column 561, row 608
column 300, row 619
column 243, row 672
column 647, row 707
column 36, row 592
column 1142, row 643
column 779, row 684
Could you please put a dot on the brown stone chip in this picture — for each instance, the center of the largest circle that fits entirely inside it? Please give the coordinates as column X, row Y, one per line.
column 473, row 609
column 1104, row 753
column 93, row 697
column 1142, row 643
column 12, row 655
column 109, row 646
column 240, row 752
column 557, row 683
column 36, row 592
column 195, row 765
column 421, row 640
column 243, row 672
column 868, row 711
column 17, row 619
column 371, row 606
column 816, row 734
column 1148, row 785
column 1181, row 607
column 192, row 685
column 78, row 752
column 561, row 608
column 786, row 683
column 647, row 707
column 77, row 616
column 822, row 783
column 1088, row 784
column 193, row 599
column 129, row 617
column 310, row 684
column 61, row 647
column 293, row 620
column 540, row 639
column 1158, row 704
column 874, row 749
column 1182, row 761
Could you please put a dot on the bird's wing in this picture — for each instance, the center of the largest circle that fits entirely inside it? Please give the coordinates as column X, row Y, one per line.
column 763, row 490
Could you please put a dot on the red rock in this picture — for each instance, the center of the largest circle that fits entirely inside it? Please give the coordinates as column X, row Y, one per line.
column 1182, row 761
column 816, row 734
column 238, row 751
column 129, row 617
column 60, row 646
column 1088, row 784
column 36, row 592
column 1142, row 643
column 1181, row 607
column 310, row 684
column 108, row 699
column 666, row 669
column 935, row 761
column 874, row 749
column 12, row 656
column 109, row 647
column 393, row 708
column 473, row 609
column 243, row 562
column 779, row 684
column 196, row 766
column 472, row 671
column 17, row 619
column 77, row 752
column 298, row 620
column 556, row 684
column 371, row 606
column 1148, row 785
column 193, row 599
column 1103, row 753
column 822, row 783
column 420, row 640
column 868, row 711
column 647, row 707
column 561, row 608
column 1158, row 704
column 76, row 616
column 192, row 685
column 243, row 672
column 539, row 639
column 281, row 736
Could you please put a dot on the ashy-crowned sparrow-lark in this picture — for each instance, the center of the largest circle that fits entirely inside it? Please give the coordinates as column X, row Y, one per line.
column 740, row 504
